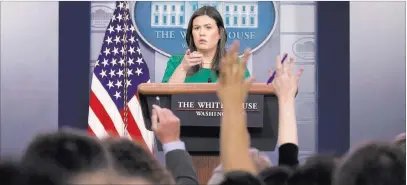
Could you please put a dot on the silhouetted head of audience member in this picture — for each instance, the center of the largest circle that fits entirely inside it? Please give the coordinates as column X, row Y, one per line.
column 241, row 178
column 317, row 170
column 14, row 174
column 372, row 164
column 66, row 154
column 401, row 141
column 135, row 164
column 277, row 175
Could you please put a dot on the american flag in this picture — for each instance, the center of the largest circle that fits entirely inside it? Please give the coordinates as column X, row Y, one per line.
column 114, row 109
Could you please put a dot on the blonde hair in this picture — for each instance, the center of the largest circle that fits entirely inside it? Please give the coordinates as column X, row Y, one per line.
column 261, row 160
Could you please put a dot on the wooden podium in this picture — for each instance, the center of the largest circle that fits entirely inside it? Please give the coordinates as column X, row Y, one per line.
column 197, row 106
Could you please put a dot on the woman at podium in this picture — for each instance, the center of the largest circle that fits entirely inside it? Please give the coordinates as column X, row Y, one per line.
column 206, row 38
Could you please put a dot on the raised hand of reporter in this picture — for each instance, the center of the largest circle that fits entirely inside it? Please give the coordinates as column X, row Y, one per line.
column 165, row 124
column 232, row 85
column 232, row 92
column 285, row 83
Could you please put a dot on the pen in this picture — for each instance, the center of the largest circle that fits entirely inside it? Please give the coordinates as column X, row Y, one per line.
column 159, row 104
column 158, row 101
column 274, row 73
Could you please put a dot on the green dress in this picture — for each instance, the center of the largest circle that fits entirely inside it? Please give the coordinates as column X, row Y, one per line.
column 201, row 76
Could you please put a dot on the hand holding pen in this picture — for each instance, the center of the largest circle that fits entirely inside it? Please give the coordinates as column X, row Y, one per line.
column 285, row 83
column 274, row 73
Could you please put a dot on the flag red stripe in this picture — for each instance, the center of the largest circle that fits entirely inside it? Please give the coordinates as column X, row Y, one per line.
column 133, row 129
column 90, row 131
column 102, row 115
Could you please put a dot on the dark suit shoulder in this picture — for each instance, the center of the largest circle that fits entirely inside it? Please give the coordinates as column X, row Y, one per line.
column 179, row 162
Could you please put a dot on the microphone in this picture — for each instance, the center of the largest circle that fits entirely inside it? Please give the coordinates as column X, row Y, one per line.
column 209, row 80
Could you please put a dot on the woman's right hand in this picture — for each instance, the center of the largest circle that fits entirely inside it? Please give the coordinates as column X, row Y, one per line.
column 191, row 59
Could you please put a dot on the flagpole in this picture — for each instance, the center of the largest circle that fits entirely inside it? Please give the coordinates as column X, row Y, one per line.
column 125, row 114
